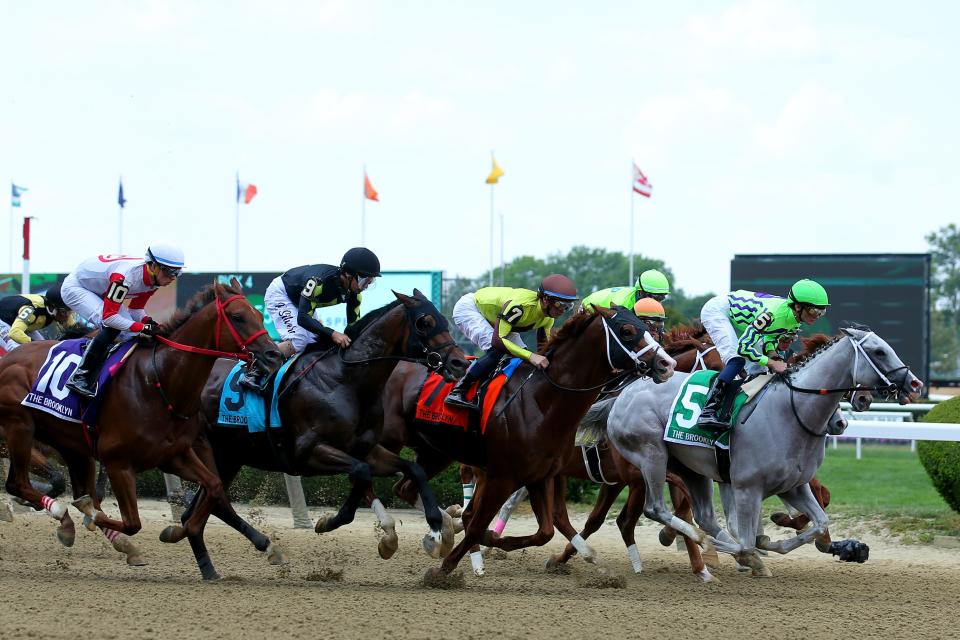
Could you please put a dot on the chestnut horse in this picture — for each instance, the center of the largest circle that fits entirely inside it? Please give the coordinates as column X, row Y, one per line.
column 149, row 413
column 532, row 424
column 331, row 412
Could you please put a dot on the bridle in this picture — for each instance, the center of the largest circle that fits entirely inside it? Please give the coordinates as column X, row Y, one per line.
column 434, row 357
column 701, row 361
column 222, row 319
column 620, row 373
column 889, row 387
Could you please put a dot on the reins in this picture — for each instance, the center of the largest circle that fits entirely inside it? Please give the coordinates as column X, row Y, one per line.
column 222, row 319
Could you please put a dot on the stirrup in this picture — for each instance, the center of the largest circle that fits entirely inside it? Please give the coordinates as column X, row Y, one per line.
column 82, row 386
column 459, row 401
column 257, row 384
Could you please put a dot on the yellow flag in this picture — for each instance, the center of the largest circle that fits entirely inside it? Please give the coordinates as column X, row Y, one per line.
column 495, row 173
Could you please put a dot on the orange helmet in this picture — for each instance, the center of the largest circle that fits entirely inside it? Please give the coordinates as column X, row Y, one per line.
column 649, row 308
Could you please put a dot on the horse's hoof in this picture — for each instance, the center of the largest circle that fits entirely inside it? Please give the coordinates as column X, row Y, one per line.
column 388, row 546
column 136, row 560
column 552, row 563
column 454, row 511
column 171, row 534
column 85, row 505
column 66, row 533
column 781, row 519
column 323, row 523
column 762, row 541
column 458, row 525
column 476, row 563
column 706, row 576
column 762, row 572
column 742, row 568
column 711, row 559
column 431, row 544
column 275, row 556
column 667, row 536
column 447, row 536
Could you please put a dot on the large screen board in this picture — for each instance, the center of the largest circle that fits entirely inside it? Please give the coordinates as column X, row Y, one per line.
column 890, row 293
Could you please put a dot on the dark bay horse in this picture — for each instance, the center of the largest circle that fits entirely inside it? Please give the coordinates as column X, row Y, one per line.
column 532, row 423
column 331, row 412
column 149, row 414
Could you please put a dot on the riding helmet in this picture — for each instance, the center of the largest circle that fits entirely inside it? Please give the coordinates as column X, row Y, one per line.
column 653, row 281
column 362, row 262
column 558, row 286
column 649, row 308
column 166, row 254
column 53, row 298
column 809, row 292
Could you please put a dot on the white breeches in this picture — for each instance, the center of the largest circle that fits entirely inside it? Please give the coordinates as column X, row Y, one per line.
column 283, row 312
column 473, row 325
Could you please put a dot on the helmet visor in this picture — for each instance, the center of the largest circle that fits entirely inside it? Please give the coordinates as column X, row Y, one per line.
column 363, row 282
column 560, row 304
column 170, row 272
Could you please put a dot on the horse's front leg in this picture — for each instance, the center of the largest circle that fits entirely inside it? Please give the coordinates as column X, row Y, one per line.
column 541, row 499
column 124, row 482
column 605, row 499
column 802, row 499
column 19, row 447
column 747, row 502
column 327, row 461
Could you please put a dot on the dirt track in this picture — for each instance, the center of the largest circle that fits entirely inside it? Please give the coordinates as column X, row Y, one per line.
column 50, row 592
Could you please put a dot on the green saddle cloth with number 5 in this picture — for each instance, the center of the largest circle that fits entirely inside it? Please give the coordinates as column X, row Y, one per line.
column 682, row 427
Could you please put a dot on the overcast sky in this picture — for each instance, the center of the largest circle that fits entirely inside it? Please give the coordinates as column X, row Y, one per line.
column 763, row 126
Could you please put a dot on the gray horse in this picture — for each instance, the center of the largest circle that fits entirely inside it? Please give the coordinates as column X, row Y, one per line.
column 776, row 450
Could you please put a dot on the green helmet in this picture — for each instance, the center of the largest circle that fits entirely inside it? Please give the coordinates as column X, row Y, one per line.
column 652, row 281
column 809, row 292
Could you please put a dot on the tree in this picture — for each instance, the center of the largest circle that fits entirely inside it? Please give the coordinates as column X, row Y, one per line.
column 944, row 246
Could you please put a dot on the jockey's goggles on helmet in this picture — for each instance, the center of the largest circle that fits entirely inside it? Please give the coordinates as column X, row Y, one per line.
column 365, row 281
column 560, row 303
column 816, row 312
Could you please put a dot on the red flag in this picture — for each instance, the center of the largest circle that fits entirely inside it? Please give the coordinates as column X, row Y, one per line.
column 368, row 191
column 640, row 182
column 245, row 191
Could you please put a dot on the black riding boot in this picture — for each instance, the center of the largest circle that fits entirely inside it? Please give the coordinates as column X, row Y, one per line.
column 84, row 378
column 721, row 397
column 251, row 378
column 456, row 395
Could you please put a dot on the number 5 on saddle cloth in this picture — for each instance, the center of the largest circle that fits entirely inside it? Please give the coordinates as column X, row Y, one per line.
column 431, row 409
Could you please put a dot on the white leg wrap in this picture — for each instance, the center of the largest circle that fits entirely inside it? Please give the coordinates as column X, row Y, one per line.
column 381, row 512
column 55, row 508
column 582, row 548
column 634, row 554
column 476, row 560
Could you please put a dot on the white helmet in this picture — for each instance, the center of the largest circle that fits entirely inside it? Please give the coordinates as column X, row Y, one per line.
column 166, row 254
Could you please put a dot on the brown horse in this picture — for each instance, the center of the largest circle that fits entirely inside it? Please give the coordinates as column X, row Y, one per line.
column 149, row 415
column 532, row 423
column 330, row 409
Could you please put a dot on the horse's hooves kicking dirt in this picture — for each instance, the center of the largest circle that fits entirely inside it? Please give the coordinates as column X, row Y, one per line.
column 275, row 556
column 325, row 575
column 553, row 565
column 603, row 579
column 323, row 523
column 436, row 579
column 66, row 533
column 171, row 534
column 388, row 546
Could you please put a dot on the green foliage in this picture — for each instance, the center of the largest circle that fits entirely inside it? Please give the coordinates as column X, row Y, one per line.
column 944, row 246
column 942, row 459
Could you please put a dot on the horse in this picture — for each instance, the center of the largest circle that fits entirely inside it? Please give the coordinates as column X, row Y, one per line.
column 331, row 415
column 774, row 449
column 532, row 422
column 149, row 413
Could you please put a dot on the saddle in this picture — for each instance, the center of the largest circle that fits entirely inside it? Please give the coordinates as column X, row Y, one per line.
column 432, row 410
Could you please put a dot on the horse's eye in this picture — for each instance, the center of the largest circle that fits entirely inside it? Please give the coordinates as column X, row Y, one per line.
column 424, row 323
column 879, row 353
column 238, row 318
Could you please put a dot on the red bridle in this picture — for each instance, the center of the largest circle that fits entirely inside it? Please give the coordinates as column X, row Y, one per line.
column 222, row 318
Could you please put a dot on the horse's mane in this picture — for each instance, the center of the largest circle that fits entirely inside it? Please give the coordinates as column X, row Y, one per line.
column 355, row 329
column 572, row 328
column 200, row 299
column 692, row 331
column 679, row 346
column 812, row 347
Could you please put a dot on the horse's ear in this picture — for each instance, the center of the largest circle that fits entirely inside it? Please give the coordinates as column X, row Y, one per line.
column 418, row 294
column 404, row 298
column 236, row 284
column 607, row 313
column 217, row 287
column 848, row 331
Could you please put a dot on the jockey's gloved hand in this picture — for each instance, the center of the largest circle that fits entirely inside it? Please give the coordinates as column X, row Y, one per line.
column 147, row 320
column 149, row 329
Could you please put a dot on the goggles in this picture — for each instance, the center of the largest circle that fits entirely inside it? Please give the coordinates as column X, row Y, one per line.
column 365, row 281
column 816, row 312
column 559, row 303
column 170, row 272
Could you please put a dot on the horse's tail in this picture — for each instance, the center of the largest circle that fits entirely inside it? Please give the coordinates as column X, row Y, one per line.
column 596, row 417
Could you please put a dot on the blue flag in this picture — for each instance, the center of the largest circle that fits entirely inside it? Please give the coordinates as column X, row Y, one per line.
column 15, row 193
column 120, row 199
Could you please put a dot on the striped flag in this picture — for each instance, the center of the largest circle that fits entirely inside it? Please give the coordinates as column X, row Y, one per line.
column 245, row 191
column 15, row 193
column 640, row 182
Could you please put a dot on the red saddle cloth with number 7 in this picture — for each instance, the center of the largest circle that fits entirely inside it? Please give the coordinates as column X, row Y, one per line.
column 432, row 409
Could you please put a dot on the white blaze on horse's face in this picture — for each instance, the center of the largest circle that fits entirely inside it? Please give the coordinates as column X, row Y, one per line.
column 662, row 365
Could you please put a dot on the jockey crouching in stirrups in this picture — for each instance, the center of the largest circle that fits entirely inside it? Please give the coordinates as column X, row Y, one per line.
column 747, row 326
column 517, row 310
column 23, row 316
column 292, row 298
column 97, row 289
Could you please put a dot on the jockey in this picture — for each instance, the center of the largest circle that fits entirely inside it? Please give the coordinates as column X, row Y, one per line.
column 649, row 310
column 512, row 311
column 292, row 298
column 97, row 289
column 23, row 316
column 746, row 326
column 650, row 284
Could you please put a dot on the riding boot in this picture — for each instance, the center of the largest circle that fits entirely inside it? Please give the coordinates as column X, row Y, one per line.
column 711, row 417
column 252, row 379
column 457, row 398
column 84, row 379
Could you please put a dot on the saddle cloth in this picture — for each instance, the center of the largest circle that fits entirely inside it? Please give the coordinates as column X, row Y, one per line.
column 49, row 392
column 242, row 408
column 431, row 408
column 682, row 426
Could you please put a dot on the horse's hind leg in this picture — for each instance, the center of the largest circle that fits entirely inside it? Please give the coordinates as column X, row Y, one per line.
column 124, row 482
column 326, row 460
column 561, row 520
column 20, row 444
column 541, row 499
column 682, row 507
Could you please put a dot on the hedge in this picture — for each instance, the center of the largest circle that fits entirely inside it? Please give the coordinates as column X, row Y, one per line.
column 942, row 459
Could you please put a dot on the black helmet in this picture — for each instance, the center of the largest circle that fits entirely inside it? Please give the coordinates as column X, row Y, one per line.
column 53, row 298
column 362, row 262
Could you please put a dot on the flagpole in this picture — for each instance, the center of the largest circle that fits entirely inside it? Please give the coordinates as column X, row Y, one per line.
column 10, row 239
column 630, row 279
column 501, row 250
column 120, row 220
column 363, row 209
column 236, row 227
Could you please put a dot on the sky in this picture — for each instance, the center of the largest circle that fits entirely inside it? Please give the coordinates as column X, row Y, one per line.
column 764, row 127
